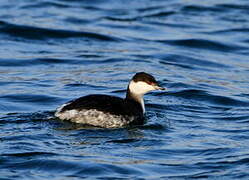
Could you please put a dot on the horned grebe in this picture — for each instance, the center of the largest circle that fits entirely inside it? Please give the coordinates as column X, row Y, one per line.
column 110, row 111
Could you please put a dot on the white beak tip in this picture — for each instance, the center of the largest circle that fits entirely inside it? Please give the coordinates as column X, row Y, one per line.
column 160, row 88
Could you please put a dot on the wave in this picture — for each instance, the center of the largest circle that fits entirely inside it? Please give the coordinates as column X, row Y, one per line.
column 37, row 33
column 203, row 44
column 190, row 62
column 200, row 95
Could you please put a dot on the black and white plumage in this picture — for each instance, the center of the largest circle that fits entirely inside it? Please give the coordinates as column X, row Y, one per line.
column 110, row 111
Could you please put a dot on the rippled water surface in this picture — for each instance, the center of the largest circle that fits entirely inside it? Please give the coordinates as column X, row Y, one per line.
column 55, row 50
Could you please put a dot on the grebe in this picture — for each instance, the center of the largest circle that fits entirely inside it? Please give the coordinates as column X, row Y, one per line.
column 110, row 111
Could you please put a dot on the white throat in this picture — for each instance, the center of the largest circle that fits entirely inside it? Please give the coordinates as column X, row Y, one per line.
column 139, row 99
column 142, row 103
column 138, row 89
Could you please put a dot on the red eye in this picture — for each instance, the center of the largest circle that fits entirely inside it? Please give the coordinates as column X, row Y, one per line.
column 151, row 83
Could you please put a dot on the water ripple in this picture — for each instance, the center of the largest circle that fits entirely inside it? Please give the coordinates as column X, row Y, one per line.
column 37, row 33
column 203, row 96
column 203, row 44
column 54, row 51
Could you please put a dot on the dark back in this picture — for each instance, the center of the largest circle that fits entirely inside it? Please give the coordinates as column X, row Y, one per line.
column 105, row 103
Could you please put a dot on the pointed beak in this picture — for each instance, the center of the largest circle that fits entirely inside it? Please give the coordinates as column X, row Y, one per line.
column 157, row 87
column 160, row 88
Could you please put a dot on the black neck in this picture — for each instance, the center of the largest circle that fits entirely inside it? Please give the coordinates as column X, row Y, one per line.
column 132, row 96
column 135, row 98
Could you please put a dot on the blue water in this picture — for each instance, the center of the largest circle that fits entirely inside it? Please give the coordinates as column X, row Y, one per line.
column 53, row 51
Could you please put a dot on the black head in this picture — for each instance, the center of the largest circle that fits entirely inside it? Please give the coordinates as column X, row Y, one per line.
column 146, row 78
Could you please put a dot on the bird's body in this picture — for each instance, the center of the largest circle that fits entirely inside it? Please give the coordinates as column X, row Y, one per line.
column 102, row 110
column 110, row 111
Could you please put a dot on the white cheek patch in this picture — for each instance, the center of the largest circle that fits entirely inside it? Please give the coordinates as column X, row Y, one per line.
column 140, row 87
